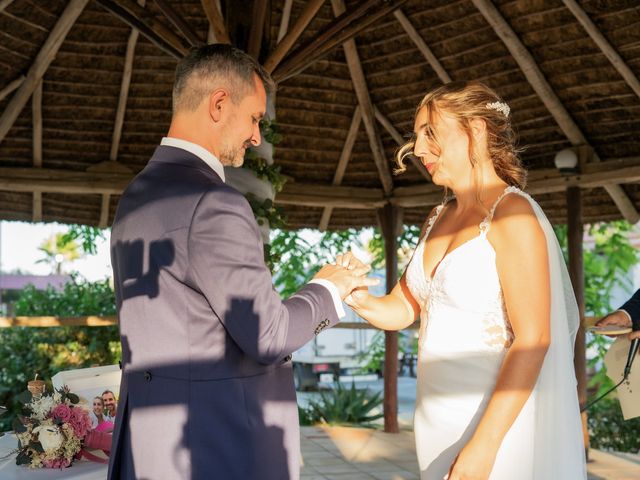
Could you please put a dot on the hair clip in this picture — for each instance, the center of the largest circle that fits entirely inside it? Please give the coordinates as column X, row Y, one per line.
column 500, row 107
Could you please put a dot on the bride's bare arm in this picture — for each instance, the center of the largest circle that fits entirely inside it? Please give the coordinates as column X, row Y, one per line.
column 394, row 311
column 523, row 268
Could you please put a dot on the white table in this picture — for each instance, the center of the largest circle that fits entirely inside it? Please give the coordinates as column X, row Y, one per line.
column 80, row 470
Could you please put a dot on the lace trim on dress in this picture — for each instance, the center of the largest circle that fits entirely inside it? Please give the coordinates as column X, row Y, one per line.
column 485, row 224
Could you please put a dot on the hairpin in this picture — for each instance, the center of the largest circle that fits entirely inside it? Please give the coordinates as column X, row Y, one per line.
column 500, row 107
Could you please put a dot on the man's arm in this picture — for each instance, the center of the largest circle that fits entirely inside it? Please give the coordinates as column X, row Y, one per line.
column 632, row 307
column 227, row 265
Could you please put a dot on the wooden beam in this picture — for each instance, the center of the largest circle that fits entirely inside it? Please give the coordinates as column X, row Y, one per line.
column 284, row 22
column 390, row 220
column 124, row 94
column 575, row 241
column 388, row 126
column 104, row 211
column 139, row 18
column 345, row 155
column 343, row 28
column 87, row 321
column 113, row 182
column 13, row 85
column 257, row 28
column 364, row 100
column 4, row 4
column 44, row 58
column 321, row 196
column 213, row 13
column 604, row 45
column 285, row 44
column 36, row 107
column 422, row 46
column 539, row 83
column 179, row 22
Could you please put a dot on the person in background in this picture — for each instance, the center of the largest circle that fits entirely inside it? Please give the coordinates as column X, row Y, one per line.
column 110, row 405
column 97, row 412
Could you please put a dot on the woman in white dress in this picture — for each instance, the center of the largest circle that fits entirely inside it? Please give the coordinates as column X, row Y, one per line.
column 496, row 394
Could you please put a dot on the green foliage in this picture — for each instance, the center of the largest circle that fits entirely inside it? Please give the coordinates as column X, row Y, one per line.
column 406, row 245
column 79, row 297
column 58, row 250
column 372, row 359
column 85, row 235
column 270, row 132
column 264, row 171
column 609, row 431
column 345, row 405
column 294, row 260
column 307, row 417
column 26, row 351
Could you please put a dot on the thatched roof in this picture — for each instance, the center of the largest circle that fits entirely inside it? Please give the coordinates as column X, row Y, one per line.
column 564, row 86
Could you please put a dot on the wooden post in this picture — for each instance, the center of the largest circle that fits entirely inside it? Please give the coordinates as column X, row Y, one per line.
column 390, row 220
column 575, row 233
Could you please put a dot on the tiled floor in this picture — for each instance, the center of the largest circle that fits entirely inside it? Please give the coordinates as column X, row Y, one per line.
column 334, row 453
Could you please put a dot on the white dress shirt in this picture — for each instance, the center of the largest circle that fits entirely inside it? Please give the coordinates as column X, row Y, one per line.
column 210, row 159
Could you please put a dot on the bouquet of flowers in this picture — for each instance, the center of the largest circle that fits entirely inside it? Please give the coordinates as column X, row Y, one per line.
column 54, row 430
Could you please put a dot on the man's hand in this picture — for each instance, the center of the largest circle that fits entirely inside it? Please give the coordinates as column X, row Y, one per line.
column 347, row 274
column 617, row 318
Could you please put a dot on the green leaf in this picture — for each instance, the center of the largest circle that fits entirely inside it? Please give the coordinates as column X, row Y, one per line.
column 24, row 397
column 73, row 398
column 18, row 426
column 23, row 458
column 37, row 446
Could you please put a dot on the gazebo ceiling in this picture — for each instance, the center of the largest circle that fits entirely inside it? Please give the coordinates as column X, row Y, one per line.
column 70, row 143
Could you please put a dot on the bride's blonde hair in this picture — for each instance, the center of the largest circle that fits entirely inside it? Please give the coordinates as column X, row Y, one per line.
column 467, row 101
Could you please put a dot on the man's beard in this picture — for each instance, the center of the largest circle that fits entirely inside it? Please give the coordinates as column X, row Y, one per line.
column 232, row 156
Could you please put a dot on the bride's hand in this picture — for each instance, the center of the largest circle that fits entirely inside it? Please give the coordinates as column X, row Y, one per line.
column 472, row 463
column 350, row 262
column 356, row 297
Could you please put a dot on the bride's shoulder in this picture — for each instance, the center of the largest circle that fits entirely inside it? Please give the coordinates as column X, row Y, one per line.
column 515, row 216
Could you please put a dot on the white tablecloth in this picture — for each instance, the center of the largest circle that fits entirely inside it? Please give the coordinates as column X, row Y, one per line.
column 80, row 470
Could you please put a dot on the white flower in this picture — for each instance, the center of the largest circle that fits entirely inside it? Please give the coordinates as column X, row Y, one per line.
column 49, row 437
column 500, row 107
column 42, row 407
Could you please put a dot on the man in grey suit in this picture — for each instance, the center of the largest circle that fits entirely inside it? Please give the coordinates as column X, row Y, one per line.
column 207, row 387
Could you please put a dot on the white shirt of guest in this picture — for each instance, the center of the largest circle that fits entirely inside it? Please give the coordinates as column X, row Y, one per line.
column 210, row 159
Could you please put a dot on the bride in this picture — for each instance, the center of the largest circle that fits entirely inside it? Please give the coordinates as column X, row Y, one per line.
column 496, row 393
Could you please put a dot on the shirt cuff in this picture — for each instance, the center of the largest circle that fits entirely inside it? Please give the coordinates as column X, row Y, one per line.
column 335, row 295
column 627, row 314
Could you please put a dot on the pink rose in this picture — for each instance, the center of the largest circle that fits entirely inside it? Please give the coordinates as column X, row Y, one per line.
column 61, row 412
column 80, row 422
column 56, row 463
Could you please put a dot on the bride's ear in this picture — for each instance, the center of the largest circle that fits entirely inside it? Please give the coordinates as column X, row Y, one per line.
column 478, row 128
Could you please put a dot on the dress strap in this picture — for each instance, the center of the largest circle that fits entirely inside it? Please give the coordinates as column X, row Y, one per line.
column 486, row 223
column 432, row 219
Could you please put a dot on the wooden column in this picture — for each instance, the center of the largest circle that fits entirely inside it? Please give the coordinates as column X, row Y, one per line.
column 575, row 233
column 390, row 219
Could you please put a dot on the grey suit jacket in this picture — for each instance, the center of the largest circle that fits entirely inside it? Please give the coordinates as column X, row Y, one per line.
column 207, row 389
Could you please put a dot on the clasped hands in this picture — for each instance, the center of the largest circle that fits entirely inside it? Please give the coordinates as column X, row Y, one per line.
column 620, row 319
column 348, row 274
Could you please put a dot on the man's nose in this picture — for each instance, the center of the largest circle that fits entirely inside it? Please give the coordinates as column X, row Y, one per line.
column 256, row 137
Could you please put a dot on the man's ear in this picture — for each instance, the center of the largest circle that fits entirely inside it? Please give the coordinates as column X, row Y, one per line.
column 218, row 100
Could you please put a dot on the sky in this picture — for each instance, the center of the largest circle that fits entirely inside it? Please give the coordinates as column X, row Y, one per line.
column 19, row 242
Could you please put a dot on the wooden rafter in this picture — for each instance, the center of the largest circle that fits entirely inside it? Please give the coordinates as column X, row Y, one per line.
column 594, row 175
column 4, row 4
column 422, row 46
column 257, row 27
column 285, row 44
column 44, row 58
column 388, row 126
column 36, row 108
column 343, row 28
column 364, row 100
column 179, row 22
column 284, row 22
column 539, row 83
column 139, row 18
column 345, row 155
column 213, row 13
column 13, row 85
column 604, row 45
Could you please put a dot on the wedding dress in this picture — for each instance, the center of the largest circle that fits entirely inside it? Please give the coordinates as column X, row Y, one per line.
column 464, row 335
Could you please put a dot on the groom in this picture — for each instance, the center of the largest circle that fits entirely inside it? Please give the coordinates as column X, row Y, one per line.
column 207, row 388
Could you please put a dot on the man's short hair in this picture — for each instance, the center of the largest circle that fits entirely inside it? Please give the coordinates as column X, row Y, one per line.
column 108, row 391
column 210, row 66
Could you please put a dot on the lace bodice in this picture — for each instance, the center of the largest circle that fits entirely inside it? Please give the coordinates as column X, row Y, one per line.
column 464, row 293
